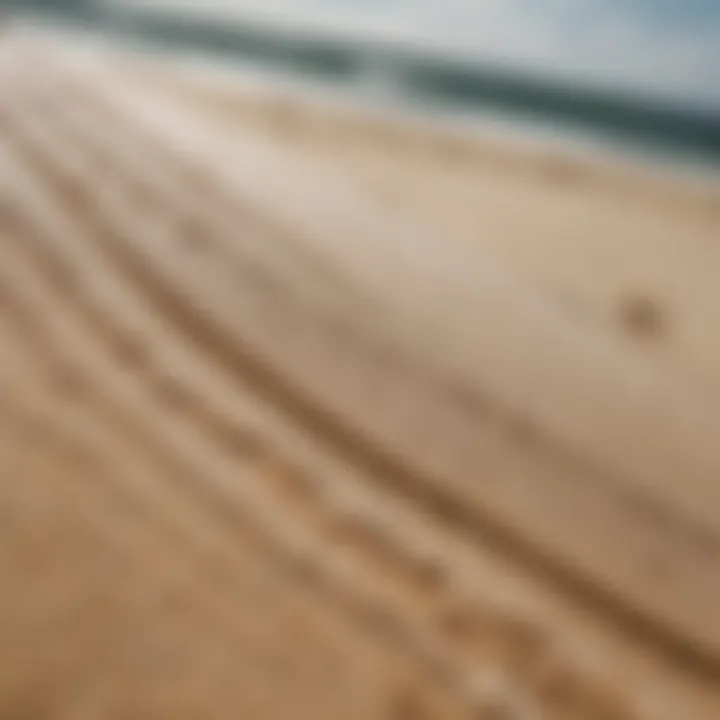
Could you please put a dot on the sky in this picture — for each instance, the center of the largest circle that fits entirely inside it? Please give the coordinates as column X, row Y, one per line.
column 666, row 47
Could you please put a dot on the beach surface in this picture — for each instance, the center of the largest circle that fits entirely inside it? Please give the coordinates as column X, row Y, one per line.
column 316, row 411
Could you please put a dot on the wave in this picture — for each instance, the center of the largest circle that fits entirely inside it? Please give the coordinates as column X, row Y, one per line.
column 414, row 74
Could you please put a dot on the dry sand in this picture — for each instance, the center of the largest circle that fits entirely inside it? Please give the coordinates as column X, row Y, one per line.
column 313, row 414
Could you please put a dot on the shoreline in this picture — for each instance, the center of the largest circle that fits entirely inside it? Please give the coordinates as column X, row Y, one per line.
column 418, row 78
column 531, row 147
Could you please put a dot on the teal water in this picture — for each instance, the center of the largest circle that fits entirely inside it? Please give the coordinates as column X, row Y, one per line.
column 668, row 48
column 639, row 75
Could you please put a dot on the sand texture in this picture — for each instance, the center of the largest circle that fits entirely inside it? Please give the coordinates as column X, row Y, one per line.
column 311, row 413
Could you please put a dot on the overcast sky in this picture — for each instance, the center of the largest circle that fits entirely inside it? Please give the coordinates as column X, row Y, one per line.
column 668, row 46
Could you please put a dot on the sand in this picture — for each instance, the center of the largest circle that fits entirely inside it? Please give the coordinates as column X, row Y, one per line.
column 312, row 412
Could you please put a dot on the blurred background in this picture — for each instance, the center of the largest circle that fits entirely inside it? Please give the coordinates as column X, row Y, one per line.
column 642, row 75
column 356, row 379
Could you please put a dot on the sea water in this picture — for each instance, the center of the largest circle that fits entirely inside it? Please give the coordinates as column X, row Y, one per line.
column 638, row 75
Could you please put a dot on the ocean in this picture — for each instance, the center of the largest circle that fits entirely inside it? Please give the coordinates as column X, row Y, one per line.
column 639, row 74
column 668, row 48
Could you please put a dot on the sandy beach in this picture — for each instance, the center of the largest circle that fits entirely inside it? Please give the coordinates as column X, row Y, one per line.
column 316, row 411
